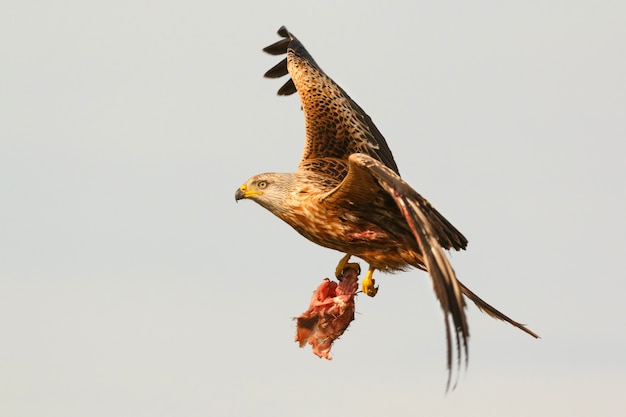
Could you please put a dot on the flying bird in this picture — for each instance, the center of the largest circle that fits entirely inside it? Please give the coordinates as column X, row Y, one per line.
column 347, row 195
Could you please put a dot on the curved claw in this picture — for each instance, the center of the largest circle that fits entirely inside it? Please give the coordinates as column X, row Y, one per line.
column 368, row 284
column 343, row 264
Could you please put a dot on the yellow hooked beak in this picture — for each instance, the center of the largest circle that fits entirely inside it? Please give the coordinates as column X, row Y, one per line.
column 245, row 192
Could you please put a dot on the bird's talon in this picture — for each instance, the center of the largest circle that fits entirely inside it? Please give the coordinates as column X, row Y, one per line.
column 368, row 284
column 344, row 264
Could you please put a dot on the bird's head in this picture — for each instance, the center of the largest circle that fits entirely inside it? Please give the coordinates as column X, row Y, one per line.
column 271, row 190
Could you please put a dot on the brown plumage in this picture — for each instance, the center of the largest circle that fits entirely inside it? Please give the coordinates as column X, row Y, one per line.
column 347, row 194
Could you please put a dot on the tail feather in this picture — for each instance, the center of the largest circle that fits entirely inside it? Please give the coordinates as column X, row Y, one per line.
column 493, row 312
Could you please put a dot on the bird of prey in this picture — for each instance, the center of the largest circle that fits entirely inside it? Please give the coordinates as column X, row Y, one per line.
column 347, row 195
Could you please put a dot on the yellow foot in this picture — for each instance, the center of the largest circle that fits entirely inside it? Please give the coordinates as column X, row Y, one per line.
column 368, row 283
column 343, row 264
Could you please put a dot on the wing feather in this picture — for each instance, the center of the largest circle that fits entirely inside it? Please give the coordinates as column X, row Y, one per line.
column 366, row 180
column 335, row 126
column 277, row 70
column 433, row 233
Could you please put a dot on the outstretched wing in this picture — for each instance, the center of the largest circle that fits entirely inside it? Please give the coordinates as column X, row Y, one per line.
column 336, row 126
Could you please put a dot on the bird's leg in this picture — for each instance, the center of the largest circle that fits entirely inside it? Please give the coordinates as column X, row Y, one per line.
column 369, row 282
column 343, row 264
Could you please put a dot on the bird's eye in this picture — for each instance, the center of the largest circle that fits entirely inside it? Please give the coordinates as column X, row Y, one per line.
column 261, row 184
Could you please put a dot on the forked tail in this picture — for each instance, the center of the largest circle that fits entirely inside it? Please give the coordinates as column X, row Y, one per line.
column 486, row 308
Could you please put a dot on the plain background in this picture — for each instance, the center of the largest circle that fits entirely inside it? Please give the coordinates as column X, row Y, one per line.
column 131, row 284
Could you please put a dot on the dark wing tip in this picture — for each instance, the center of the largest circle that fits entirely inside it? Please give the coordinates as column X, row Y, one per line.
column 277, row 70
column 287, row 89
column 281, row 47
column 277, row 48
column 282, row 31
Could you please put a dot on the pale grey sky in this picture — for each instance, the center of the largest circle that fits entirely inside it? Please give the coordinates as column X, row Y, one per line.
column 131, row 284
